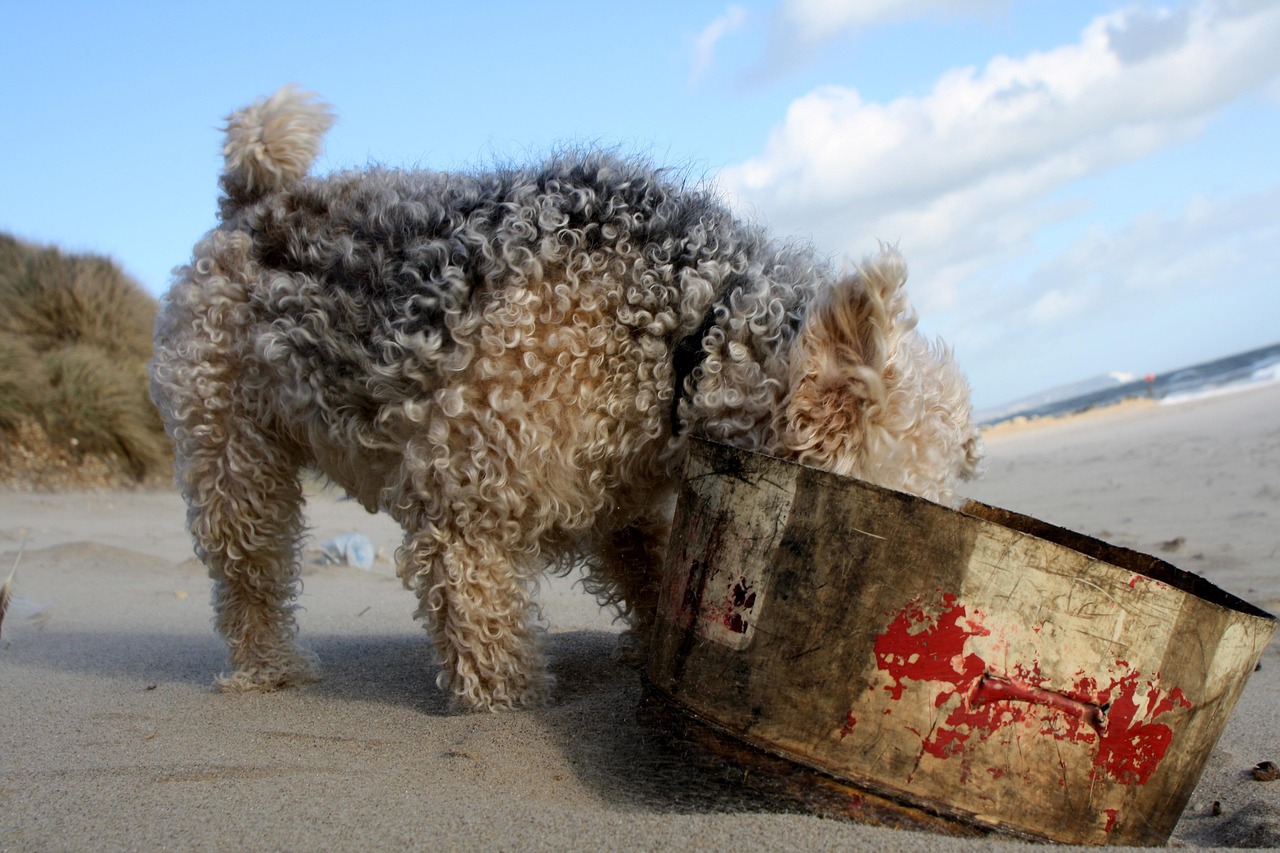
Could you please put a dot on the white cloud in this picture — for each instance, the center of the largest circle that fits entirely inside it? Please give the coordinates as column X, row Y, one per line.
column 1144, row 34
column 1156, row 256
column 960, row 175
column 1162, row 291
column 704, row 46
column 805, row 24
column 1057, row 305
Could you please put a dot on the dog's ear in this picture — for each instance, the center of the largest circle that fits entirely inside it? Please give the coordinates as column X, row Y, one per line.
column 843, row 368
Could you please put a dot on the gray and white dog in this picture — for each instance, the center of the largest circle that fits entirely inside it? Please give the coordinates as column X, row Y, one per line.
column 510, row 364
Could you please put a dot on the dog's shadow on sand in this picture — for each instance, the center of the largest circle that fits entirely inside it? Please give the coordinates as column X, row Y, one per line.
column 394, row 668
column 594, row 718
column 626, row 758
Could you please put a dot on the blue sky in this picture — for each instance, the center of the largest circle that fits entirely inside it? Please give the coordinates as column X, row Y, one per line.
column 1078, row 187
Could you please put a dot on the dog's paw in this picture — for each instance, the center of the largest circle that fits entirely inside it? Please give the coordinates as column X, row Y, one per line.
column 264, row 678
column 528, row 691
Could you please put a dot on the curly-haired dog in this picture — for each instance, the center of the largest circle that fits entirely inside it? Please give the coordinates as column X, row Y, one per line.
column 510, row 365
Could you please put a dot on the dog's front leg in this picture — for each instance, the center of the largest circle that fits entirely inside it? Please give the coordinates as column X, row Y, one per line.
column 479, row 609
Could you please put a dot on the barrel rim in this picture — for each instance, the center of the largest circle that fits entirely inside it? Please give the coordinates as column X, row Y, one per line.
column 1116, row 556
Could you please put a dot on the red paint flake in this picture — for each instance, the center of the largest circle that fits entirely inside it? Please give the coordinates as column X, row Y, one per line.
column 1112, row 814
column 921, row 647
column 741, row 598
column 926, row 644
column 732, row 611
column 849, row 722
column 1133, row 581
column 1133, row 745
column 934, row 653
column 994, row 689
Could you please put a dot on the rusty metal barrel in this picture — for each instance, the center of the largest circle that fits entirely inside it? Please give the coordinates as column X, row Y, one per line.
column 964, row 671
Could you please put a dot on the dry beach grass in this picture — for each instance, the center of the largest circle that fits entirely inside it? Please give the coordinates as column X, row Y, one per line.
column 75, row 337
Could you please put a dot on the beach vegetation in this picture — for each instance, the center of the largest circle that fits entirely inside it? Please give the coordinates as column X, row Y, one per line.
column 75, row 338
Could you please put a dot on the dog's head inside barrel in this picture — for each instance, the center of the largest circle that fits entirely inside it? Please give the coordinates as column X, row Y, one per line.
column 871, row 397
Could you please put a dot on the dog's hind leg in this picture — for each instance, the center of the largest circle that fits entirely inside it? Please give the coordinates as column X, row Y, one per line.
column 245, row 515
column 241, row 484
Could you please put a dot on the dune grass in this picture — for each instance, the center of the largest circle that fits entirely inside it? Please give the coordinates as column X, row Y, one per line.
column 75, row 337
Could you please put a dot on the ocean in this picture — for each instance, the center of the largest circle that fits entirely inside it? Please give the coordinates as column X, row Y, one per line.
column 1200, row 380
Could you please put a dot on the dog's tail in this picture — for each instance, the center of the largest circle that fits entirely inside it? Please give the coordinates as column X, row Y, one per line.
column 272, row 143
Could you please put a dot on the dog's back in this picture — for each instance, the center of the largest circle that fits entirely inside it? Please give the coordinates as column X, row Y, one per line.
column 383, row 288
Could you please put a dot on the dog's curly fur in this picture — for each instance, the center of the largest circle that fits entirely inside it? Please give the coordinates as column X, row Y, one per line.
column 510, row 365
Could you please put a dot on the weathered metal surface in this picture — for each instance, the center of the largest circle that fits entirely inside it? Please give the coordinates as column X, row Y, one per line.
column 789, row 782
column 979, row 665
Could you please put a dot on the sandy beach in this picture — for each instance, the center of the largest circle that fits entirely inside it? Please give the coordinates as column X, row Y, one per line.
column 113, row 737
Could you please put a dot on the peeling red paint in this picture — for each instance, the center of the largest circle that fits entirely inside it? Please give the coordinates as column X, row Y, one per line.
column 733, row 611
column 930, row 644
column 849, row 722
column 723, row 608
column 1135, row 577
column 1132, row 746
column 1111, row 814
column 934, row 652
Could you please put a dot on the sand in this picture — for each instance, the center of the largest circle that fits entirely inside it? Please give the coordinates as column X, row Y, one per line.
column 113, row 738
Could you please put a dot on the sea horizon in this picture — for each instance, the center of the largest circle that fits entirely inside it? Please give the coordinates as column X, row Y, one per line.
column 1241, row 370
